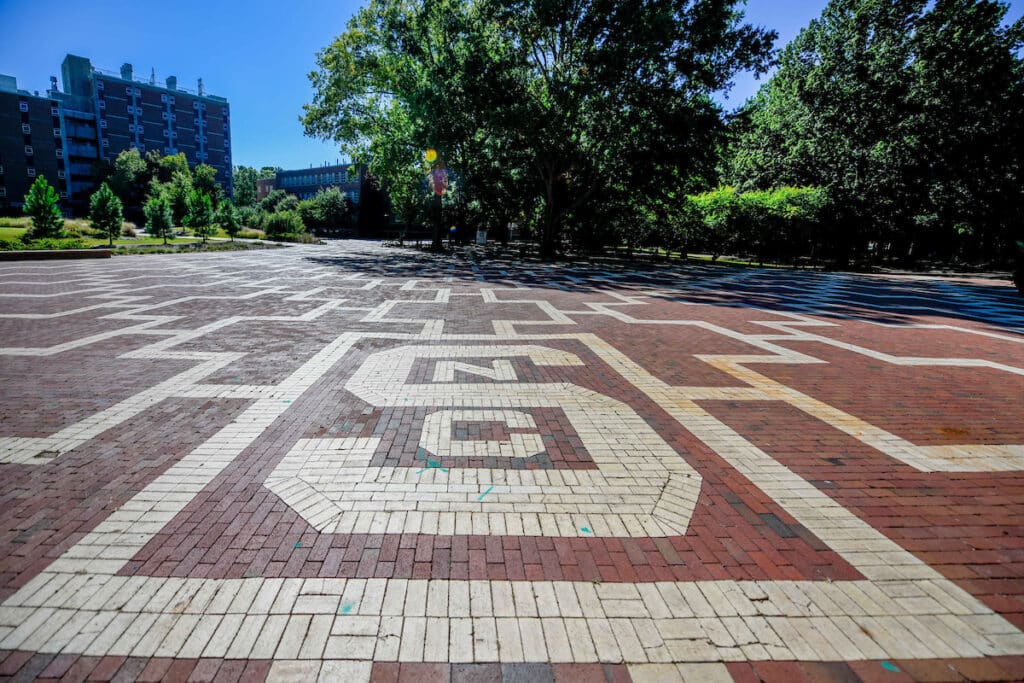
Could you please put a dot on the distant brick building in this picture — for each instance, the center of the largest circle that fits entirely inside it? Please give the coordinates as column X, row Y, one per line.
column 306, row 182
column 98, row 115
column 31, row 143
column 264, row 186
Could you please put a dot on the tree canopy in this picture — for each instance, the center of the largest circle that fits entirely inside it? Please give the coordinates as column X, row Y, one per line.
column 907, row 112
column 534, row 108
column 42, row 205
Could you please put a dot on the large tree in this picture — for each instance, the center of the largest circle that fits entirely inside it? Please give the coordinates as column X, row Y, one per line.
column 130, row 178
column 533, row 107
column 244, row 183
column 907, row 111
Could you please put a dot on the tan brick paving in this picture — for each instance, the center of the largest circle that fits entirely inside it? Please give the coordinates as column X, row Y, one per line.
column 349, row 462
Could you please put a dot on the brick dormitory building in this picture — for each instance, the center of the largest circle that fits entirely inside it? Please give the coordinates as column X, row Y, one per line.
column 67, row 136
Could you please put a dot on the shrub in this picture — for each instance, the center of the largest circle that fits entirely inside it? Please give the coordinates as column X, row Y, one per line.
column 128, row 230
column 328, row 209
column 227, row 218
column 716, row 219
column 247, row 215
column 200, row 214
column 281, row 223
column 769, row 223
column 56, row 243
column 300, row 237
column 159, row 218
column 42, row 205
column 105, row 212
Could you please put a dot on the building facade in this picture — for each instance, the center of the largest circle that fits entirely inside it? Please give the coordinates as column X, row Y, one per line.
column 97, row 116
column 306, row 182
column 31, row 142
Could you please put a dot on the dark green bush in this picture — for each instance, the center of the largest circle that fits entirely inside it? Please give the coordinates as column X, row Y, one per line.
column 282, row 223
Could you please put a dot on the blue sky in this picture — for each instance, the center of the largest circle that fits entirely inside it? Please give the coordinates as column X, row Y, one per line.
column 256, row 54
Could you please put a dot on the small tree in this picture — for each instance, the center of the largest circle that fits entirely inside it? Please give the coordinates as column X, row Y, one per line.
column 227, row 217
column 106, row 212
column 42, row 205
column 159, row 218
column 200, row 214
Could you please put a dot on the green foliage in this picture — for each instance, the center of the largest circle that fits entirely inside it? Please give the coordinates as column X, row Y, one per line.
column 159, row 218
column 171, row 165
column 176, row 192
column 282, row 225
column 200, row 214
column 717, row 217
column 327, row 210
column 43, row 243
column 204, row 179
column 769, row 224
column 269, row 204
column 42, row 205
column 525, row 102
column 243, row 179
column 907, row 112
column 227, row 218
column 105, row 212
column 130, row 177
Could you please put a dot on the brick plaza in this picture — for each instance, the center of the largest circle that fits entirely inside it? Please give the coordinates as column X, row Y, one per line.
column 362, row 463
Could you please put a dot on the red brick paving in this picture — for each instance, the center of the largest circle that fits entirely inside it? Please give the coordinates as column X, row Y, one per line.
column 967, row 526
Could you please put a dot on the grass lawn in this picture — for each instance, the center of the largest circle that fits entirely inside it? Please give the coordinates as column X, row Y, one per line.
column 8, row 233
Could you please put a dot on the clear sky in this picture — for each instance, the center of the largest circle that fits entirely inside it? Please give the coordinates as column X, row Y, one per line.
column 256, row 54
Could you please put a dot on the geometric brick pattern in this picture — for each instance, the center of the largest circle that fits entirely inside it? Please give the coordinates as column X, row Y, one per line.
column 365, row 462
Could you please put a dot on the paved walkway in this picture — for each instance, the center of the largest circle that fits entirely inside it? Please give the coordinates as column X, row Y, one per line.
column 354, row 462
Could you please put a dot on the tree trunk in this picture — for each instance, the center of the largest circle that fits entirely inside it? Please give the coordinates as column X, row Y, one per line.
column 438, row 242
column 549, row 228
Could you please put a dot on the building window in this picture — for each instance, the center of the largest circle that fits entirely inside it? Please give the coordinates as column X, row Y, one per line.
column 103, row 104
column 163, row 115
column 106, row 143
column 140, row 130
column 54, row 111
column 165, row 132
column 3, row 191
column 163, row 98
column 171, row 99
column 26, row 129
column 131, row 127
column 137, row 92
column 28, row 150
column 60, row 154
column 56, row 132
column 131, row 109
column 60, row 175
column 23, row 106
column 128, row 90
column 31, row 172
column 99, row 85
column 103, row 123
column 63, row 195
